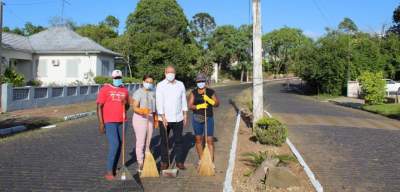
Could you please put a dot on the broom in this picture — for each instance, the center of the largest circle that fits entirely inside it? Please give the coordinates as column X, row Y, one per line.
column 149, row 165
column 170, row 172
column 206, row 167
column 123, row 173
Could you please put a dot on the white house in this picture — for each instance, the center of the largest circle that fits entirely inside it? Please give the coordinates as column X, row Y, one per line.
column 57, row 55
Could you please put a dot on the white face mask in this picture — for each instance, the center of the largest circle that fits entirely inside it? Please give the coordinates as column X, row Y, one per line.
column 147, row 86
column 201, row 85
column 170, row 76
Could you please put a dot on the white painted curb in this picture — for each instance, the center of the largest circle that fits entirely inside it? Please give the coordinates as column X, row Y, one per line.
column 78, row 115
column 316, row 184
column 49, row 127
column 232, row 157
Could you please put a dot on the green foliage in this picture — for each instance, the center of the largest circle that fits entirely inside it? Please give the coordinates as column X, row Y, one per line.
column 11, row 76
column 27, row 30
column 390, row 110
column 111, row 21
column 285, row 159
column 373, row 87
column 348, row 25
column 282, row 47
column 255, row 159
column 35, row 83
column 202, row 25
column 131, row 80
column 102, row 80
column 270, row 131
column 157, row 35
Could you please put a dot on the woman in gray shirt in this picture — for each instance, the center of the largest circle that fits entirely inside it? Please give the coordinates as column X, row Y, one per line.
column 144, row 117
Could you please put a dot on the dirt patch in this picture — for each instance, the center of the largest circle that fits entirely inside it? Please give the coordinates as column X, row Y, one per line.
column 247, row 143
column 38, row 117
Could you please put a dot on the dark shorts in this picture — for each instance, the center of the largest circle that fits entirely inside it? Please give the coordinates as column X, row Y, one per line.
column 199, row 127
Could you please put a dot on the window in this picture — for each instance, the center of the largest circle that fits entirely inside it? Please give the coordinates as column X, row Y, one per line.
column 72, row 67
column 105, row 68
column 42, row 67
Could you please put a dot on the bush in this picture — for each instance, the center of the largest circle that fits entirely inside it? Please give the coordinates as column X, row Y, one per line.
column 255, row 159
column 102, row 80
column 131, row 80
column 373, row 87
column 270, row 131
column 35, row 83
column 11, row 76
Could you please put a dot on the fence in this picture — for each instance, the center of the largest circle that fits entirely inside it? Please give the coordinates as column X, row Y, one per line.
column 17, row 98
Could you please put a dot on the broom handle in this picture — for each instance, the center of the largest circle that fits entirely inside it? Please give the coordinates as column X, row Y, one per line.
column 123, row 134
column 205, row 120
column 147, row 127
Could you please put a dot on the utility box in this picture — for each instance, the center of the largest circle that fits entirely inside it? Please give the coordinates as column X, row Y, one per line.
column 353, row 89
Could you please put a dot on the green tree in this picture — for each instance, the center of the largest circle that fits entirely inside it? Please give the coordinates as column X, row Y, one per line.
column 31, row 29
column 202, row 26
column 396, row 21
column 158, row 35
column 223, row 44
column 348, row 26
column 281, row 47
column 112, row 22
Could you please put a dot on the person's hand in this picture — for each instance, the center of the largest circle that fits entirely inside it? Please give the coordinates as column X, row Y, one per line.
column 102, row 130
column 165, row 122
column 208, row 100
column 185, row 120
column 202, row 106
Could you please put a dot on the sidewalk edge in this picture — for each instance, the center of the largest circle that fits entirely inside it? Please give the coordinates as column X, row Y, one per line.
column 232, row 157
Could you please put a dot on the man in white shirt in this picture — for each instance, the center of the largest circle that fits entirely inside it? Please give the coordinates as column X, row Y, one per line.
column 172, row 108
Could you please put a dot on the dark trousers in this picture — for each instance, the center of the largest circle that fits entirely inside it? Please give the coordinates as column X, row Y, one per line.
column 177, row 128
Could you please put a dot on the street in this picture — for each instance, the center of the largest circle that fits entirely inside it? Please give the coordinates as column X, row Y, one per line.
column 72, row 157
column 347, row 149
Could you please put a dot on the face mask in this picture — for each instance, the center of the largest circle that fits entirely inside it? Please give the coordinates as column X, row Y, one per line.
column 170, row 76
column 147, row 86
column 201, row 85
column 117, row 82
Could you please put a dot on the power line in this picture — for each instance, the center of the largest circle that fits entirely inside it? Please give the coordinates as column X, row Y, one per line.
column 322, row 13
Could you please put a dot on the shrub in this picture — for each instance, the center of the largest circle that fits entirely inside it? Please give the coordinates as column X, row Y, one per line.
column 11, row 76
column 373, row 87
column 270, row 131
column 102, row 80
column 36, row 83
column 130, row 80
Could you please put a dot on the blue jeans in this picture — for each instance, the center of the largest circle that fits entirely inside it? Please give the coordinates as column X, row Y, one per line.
column 199, row 127
column 113, row 133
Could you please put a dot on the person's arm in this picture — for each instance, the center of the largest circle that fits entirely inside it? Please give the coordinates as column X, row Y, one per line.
column 215, row 98
column 100, row 118
column 184, row 105
column 191, row 104
column 160, row 104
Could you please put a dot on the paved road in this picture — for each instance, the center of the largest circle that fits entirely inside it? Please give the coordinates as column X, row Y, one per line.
column 348, row 150
column 72, row 157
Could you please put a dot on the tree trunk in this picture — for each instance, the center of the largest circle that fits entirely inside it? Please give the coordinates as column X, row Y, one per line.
column 241, row 76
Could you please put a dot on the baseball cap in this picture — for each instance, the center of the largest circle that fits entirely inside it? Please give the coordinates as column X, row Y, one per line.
column 116, row 73
column 201, row 77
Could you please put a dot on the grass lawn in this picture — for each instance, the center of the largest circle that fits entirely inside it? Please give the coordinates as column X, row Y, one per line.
column 389, row 110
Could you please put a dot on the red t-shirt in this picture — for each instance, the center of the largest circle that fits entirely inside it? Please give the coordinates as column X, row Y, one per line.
column 112, row 98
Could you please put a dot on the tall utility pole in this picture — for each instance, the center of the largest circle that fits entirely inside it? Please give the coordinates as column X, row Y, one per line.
column 257, row 64
column 1, row 36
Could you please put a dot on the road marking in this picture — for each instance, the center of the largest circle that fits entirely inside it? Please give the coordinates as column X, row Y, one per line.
column 317, row 186
column 232, row 157
column 49, row 127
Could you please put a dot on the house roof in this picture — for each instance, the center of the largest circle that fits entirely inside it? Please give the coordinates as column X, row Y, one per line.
column 58, row 39
column 16, row 42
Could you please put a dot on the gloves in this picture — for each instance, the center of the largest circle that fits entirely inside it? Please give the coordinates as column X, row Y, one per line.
column 202, row 106
column 155, row 122
column 208, row 100
column 143, row 111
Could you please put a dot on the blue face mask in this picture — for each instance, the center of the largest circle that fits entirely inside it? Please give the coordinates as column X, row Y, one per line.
column 201, row 85
column 117, row 82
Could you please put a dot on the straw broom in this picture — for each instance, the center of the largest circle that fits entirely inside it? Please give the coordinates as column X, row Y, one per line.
column 206, row 167
column 149, row 165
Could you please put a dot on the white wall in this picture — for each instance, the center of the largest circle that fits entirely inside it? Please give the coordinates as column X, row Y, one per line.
column 99, row 66
column 58, row 74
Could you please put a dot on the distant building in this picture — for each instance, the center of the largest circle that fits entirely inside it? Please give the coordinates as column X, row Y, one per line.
column 57, row 55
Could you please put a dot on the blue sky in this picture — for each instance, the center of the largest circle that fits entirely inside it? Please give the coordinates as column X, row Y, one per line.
column 312, row 16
